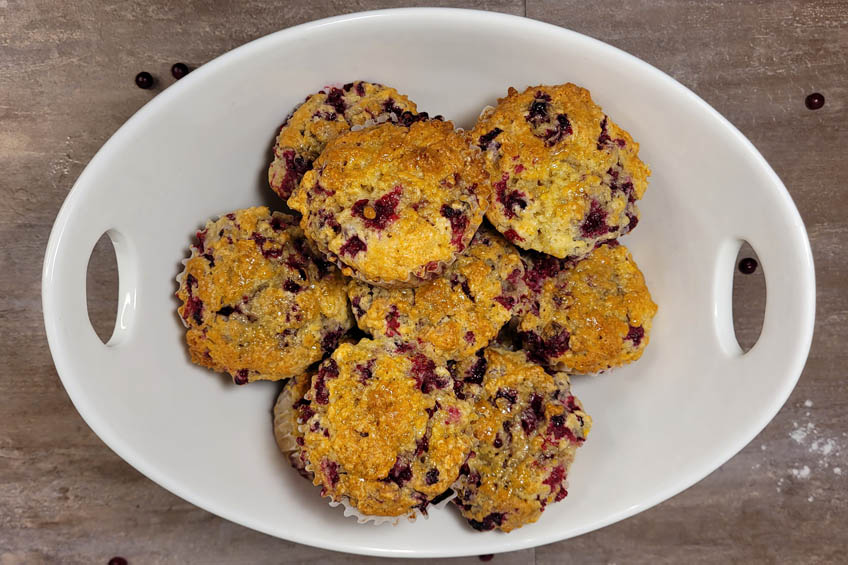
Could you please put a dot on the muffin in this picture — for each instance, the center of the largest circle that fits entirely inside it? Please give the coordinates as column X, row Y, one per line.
column 458, row 313
column 388, row 435
column 565, row 177
column 527, row 431
column 394, row 205
column 324, row 116
column 258, row 301
column 291, row 410
column 586, row 316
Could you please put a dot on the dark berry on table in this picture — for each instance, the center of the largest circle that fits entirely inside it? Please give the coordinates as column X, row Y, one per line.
column 748, row 266
column 487, row 557
column 144, row 80
column 117, row 561
column 179, row 70
column 814, row 101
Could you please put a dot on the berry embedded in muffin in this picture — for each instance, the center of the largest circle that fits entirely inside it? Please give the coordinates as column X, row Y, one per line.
column 585, row 316
column 527, row 431
column 458, row 313
column 324, row 116
column 565, row 177
column 387, row 432
column 394, row 205
column 258, row 301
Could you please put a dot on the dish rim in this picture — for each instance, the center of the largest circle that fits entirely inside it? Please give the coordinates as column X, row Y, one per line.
column 503, row 543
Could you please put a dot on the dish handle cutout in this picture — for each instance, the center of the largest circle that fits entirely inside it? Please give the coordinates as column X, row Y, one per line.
column 740, row 297
column 111, row 292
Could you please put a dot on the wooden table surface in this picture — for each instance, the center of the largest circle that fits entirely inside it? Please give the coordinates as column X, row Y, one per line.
column 66, row 84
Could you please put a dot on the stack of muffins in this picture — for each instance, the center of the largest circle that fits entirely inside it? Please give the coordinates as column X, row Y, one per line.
column 427, row 294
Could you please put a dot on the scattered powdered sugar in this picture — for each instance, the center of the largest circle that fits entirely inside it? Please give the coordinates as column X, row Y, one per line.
column 802, row 473
column 810, row 437
column 800, row 433
column 823, row 446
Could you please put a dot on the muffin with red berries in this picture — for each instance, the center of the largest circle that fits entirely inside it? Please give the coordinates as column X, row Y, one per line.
column 565, row 177
column 258, row 301
column 586, row 316
column 458, row 313
column 324, row 116
column 388, row 434
column 393, row 205
column 525, row 436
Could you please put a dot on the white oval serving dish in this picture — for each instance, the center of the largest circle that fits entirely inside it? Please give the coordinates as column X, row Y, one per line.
column 202, row 147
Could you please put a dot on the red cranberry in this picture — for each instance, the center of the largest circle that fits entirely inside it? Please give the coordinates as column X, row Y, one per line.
column 814, row 101
column 490, row 522
column 241, row 377
column 179, row 70
column 486, row 139
column 331, row 471
column 144, row 80
column 401, row 473
column 748, row 266
column 352, row 247
column 392, row 323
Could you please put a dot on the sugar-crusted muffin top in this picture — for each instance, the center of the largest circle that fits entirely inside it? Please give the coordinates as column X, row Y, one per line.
column 458, row 313
column 527, row 430
column 324, row 116
column 386, row 432
column 586, row 316
column 394, row 205
column 258, row 301
column 564, row 175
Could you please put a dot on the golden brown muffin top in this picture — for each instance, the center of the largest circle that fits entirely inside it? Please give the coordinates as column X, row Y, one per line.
column 258, row 301
column 458, row 313
column 326, row 115
column 388, row 432
column 527, row 430
column 394, row 205
column 587, row 316
column 565, row 176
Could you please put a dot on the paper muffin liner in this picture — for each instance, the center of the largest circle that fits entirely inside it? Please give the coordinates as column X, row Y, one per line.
column 350, row 511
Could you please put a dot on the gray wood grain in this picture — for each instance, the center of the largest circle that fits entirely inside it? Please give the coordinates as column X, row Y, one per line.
column 66, row 72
